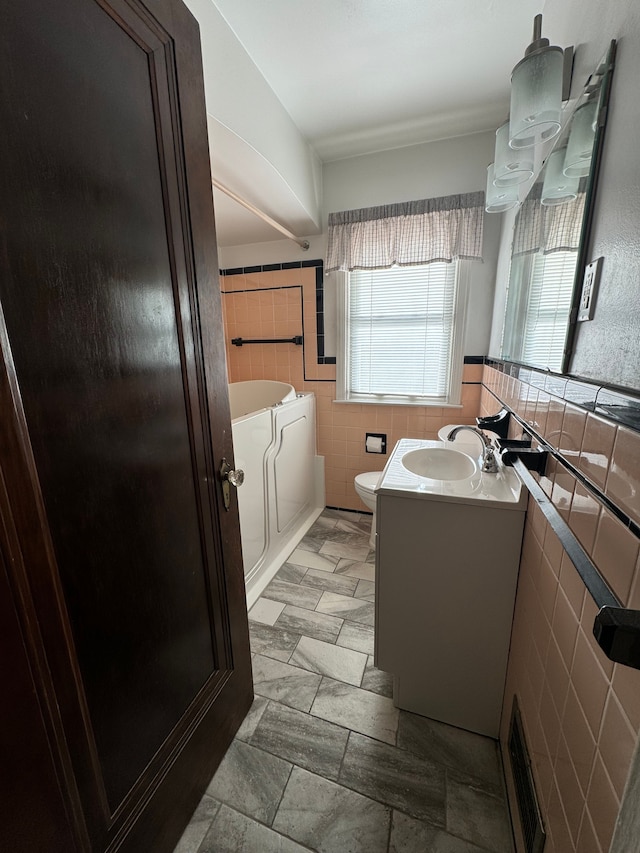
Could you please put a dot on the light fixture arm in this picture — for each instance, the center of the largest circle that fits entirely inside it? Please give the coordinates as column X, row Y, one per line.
column 537, row 42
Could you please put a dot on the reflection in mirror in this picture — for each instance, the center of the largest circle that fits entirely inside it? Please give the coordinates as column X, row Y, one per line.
column 550, row 236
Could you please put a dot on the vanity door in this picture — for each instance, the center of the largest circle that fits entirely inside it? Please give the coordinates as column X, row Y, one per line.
column 124, row 566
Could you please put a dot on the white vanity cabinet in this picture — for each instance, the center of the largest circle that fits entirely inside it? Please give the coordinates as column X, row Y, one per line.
column 446, row 577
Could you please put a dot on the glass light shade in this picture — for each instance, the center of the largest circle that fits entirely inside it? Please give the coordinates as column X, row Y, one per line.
column 499, row 198
column 536, row 98
column 512, row 167
column 557, row 188
column 581, row 138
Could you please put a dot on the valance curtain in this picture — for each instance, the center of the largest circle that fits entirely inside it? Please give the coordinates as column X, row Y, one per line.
column 547, row 229
column 407, row 234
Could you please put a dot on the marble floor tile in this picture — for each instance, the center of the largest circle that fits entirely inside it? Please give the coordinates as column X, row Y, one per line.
column 307, row 741
column 251, row 781
column 248, row 725
column 361, row 528
column 376, row 680
column 465, row 753
column 308, row 622
column 356, row 709
column 345, row 551
column 355, row 636
column 348, row 536
column 284, row 683
column 314, row 540
column 325, row 521
column 329, row 818
column 328, row 659
column 325, row 562
column 290, row 573
column 232, row 832
column 198, row 826
column 346, row 607
column 409, row 835
column 392, row 776
column 330, row 582
column 293, row 593
column 371, row 557
column 266, row 611
column 365, row 591
column 357, row 569
column 478, row 817
column 273, row 642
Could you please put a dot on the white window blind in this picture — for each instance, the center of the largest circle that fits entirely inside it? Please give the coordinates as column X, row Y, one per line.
column 547, row 309
column 402, row 335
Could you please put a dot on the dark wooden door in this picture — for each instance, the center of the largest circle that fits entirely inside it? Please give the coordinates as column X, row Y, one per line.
column 125, row 569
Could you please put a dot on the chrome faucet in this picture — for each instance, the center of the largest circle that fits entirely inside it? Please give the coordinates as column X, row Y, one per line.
column 489, row 462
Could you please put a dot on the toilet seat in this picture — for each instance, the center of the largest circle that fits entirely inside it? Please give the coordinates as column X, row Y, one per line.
column 368, row 481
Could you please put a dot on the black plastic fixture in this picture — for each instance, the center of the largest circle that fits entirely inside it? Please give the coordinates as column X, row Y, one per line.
column 533, row 460
column 496, row 423
column 296, row 339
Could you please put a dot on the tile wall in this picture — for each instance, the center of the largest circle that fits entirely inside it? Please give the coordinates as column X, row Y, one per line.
column 581, row 712
column 262, row 302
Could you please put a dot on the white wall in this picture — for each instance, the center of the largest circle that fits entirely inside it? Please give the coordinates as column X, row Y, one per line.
column 244, row 105
column 433, row 169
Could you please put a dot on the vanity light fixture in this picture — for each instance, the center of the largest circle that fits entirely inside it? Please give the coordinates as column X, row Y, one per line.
column 538, row 85
column 511, row 167
column 581, row 138
column 557, row 188
column 497, row 198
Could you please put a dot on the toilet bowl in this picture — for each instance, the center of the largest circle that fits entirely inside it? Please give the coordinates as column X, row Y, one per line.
column 365, row 485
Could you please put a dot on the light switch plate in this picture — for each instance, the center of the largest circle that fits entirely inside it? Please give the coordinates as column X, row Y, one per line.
column 589, row 289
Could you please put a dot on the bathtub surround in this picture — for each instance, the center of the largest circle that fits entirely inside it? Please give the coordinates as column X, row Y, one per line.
column 580, row 711
column 280, row 300
column 274, row 441
column 333, row 765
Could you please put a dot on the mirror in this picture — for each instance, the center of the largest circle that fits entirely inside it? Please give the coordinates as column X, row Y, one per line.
column 551, row 236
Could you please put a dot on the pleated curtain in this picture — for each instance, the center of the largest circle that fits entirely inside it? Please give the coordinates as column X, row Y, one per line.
column 407, row 234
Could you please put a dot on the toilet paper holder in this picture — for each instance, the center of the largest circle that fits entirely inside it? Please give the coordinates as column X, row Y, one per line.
column 375, row 442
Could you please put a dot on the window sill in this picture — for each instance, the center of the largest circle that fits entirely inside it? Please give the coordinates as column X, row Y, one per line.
column 422, row 404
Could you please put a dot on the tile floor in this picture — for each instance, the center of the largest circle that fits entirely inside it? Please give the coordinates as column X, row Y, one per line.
column 324, row 761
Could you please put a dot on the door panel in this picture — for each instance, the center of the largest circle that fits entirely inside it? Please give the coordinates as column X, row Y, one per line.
column 115, row 360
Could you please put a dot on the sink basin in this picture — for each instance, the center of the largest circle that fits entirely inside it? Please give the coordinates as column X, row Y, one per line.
column 448, row 472
column 439, row 463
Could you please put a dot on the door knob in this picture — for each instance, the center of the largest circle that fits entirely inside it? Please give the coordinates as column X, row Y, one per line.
column 229, row 476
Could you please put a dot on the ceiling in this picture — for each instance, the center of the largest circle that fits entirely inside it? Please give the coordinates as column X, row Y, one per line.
column 359, row 76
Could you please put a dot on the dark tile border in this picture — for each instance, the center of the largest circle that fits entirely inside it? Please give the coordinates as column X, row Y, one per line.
column 318, row 264
column 615, row 404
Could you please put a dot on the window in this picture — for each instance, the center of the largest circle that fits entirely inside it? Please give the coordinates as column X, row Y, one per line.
column 536, row 322
column 401, row 334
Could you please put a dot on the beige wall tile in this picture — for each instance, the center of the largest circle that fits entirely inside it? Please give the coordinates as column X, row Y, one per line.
column 602, row 804
column 616, row 553
column 579, row 738
column 597, row 449
column 616, row 743
column 587, row 840
column 590, row 683
column 583, row 517
column 623, row 480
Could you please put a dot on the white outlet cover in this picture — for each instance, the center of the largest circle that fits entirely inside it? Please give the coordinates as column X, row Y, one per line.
column 589, row 289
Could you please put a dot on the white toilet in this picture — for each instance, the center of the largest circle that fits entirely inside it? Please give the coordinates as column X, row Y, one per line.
column 365, row 485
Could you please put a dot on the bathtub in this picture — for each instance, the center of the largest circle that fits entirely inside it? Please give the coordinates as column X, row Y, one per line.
column 274, row 441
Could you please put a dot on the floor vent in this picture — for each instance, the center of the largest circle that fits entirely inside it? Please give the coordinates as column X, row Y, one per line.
column 530, row 817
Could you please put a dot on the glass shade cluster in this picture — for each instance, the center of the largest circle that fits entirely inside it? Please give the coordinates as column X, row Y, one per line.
column 535, row 117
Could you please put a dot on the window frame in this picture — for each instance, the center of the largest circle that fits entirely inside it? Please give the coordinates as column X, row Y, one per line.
column 452, row 398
